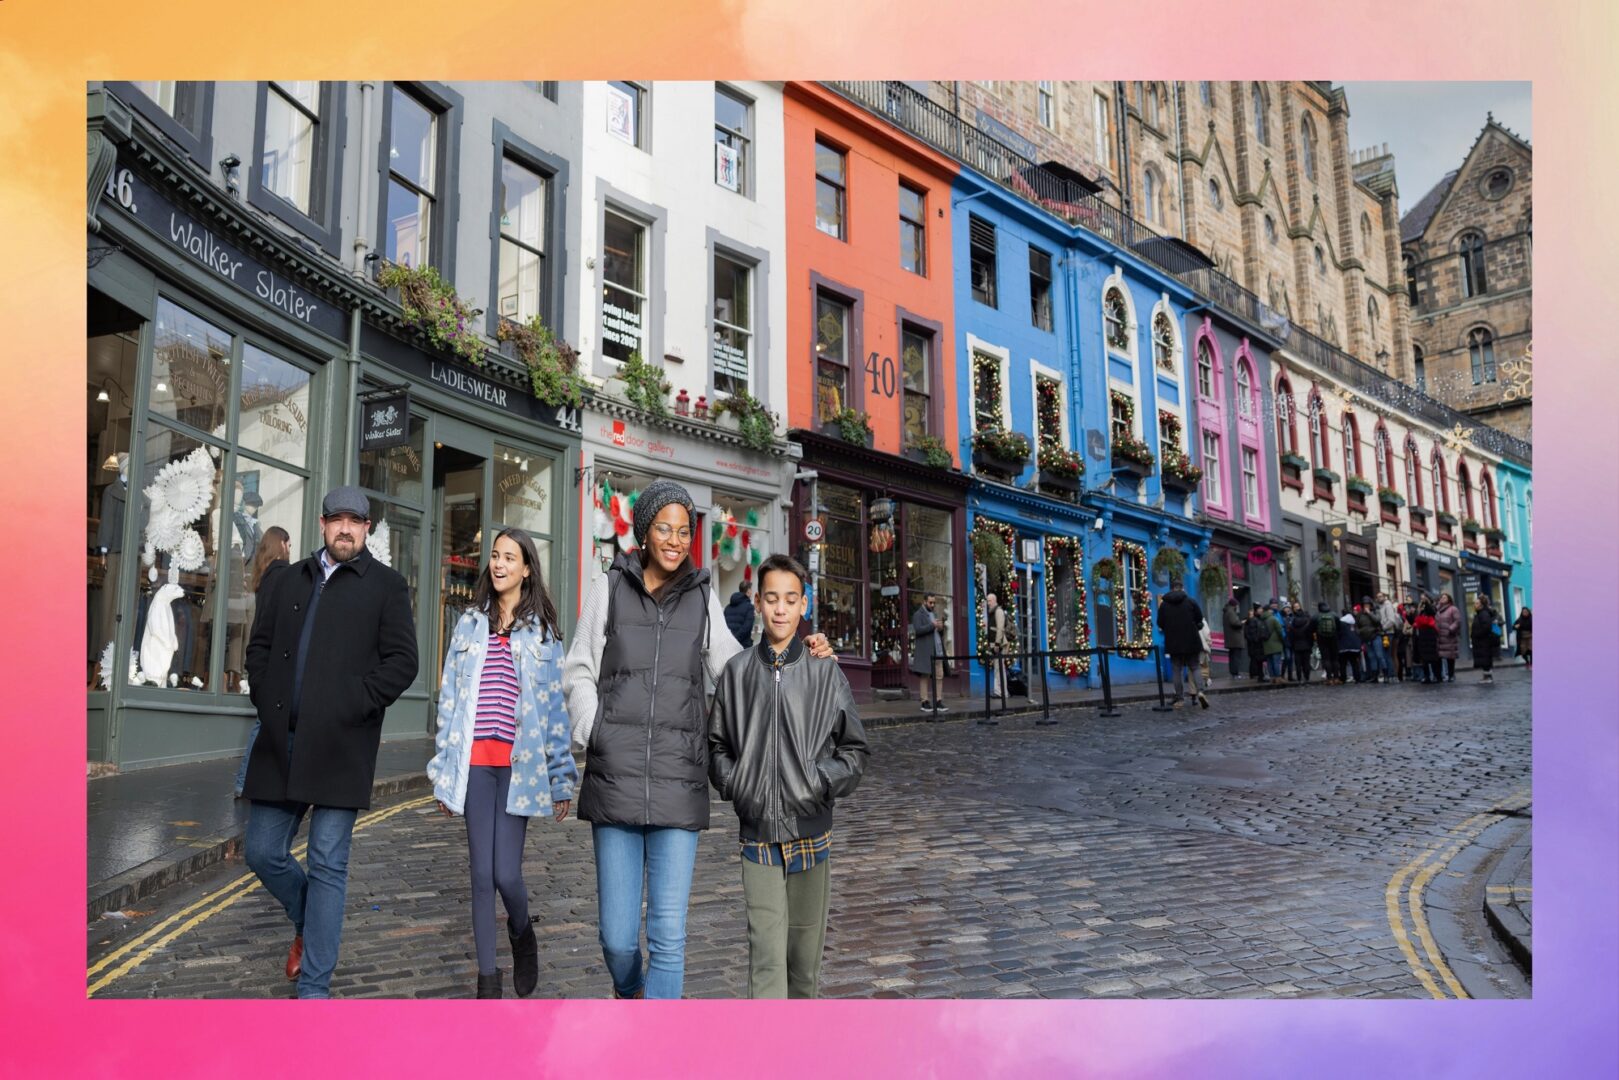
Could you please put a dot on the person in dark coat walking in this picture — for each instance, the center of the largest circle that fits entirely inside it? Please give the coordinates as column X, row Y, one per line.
column 1180, row 618
column 1326, row 640
column 1486, row 625
column 1299, row 629
column 1254, row 635
column 1425, row 643
column 739, row 615
column 1523, row 626
column 1448, row 617
column 331, row 649
column 1231, row 623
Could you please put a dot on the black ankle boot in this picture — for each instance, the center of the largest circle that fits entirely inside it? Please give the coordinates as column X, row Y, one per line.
column 489, row 985
column 525, row 961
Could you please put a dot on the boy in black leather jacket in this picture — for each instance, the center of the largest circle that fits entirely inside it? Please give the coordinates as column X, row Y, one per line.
column 784, row 742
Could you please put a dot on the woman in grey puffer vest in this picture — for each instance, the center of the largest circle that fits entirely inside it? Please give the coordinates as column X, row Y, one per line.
column 634, row 683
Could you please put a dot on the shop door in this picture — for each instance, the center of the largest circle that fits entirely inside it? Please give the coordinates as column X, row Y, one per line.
column 458, row 542
column 1026, row 613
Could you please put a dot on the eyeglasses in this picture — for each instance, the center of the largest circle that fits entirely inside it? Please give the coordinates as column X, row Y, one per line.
column 663, row 531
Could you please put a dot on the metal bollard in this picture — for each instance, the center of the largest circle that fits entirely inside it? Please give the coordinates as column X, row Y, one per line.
column 988, row 719
column 1107, row 709
column 1158, row 666
column 1045, row 694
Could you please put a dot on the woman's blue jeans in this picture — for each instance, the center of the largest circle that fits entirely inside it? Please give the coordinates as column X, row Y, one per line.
column 664, row 856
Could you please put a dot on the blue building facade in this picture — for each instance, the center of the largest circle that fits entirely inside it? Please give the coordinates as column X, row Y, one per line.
column 1073, row 400
column 1516, row 515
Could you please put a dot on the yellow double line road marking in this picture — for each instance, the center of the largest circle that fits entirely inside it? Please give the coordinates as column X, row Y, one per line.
column 159, row 936
column 1420, row 871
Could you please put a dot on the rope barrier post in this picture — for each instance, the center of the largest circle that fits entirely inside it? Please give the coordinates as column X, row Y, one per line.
column 1158, row 666
column 988, row 719
column 1045, row 693
column 1107, row 710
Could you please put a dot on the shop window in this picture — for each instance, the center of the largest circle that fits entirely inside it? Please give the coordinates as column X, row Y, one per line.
column 831, row 190
column 733, row 326
column 626, row 111
column 831, row 358
column 393, row 482
column 624, row 290
column 981, row 238
column 842, row 583
column 396, row 473
column 524, row 203
column 299, row 143
column 226, row 442
column 523, row 496
column 112, row 362
column 913, row 230
column 1040, row 288
column 929, row 568
column 916, row 362
column 410, row 199
column 733, row 137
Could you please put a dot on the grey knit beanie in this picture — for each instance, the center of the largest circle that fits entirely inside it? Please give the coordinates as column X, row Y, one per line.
column 655, row 497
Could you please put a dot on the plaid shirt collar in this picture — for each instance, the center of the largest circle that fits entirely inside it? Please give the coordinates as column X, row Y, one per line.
column 773, row 659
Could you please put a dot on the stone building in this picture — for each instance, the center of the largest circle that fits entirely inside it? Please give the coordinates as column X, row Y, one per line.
column 1469, row 278
column 1259, row 176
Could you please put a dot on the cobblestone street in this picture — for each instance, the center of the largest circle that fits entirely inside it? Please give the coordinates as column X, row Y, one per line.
column 1297, row 842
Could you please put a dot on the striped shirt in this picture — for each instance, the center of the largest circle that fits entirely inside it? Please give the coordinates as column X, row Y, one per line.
column 496, row 718
column 805, row 853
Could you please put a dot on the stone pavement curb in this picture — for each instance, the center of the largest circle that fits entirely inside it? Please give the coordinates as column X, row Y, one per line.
column 1507, row 900
column 124, row 889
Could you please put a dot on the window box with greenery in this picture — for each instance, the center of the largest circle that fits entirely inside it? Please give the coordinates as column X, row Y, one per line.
column 754, row 423
column 1358, row 485
column 1470, row 531
column 931, row 451
column 1060, row 469
column 850, row 425
column 997, row 450
column 432, row 307
column 1325, row 483
column 1179, row 473
column 1132, row 454
column 1389, row 497
column 643, row 385
column 1294, row 467
column 553, row 365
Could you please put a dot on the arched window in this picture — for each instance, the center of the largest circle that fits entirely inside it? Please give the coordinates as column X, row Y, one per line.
column 1307, row 146
column 1487, row 496
column 1471, row 246
column 1261, row 128
column 1419, row 368
column 1245, row 390
column 1529, row 516
column 1270, row 230
column 1116, row 313
column 1152, row 105
column 1509, row 500
column 1149, row 193
column 1441, row 486
column 1351, row 446
column 1413, row 471
column 1481, row 352
column 1464, row 488
column 1410, row 262
column 1287, row 433
column 1385, row 456
column 1320, row 438
column 1365, row 234
column 1320, row 262
column 1163, row 341
column 1372, row 314
column 1205, row 368
column 1215, row 198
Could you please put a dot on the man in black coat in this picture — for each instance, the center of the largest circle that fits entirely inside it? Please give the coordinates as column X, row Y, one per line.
column 1180, row 618
column 334, row 646
column 739, row 615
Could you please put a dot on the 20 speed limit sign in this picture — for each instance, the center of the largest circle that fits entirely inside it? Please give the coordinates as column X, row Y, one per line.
column 814, row 530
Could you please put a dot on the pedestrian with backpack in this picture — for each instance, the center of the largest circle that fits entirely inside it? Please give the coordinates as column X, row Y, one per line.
column 1326, row 640
column 1299, row 629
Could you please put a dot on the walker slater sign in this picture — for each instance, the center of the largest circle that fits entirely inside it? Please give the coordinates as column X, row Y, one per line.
column 385, row 419
column 221, row 256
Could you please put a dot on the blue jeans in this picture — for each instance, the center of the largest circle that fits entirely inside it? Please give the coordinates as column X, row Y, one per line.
column 313, row 900
column 1377, row 657
column 1273, row 662
column 666, row 857
column 241, row 772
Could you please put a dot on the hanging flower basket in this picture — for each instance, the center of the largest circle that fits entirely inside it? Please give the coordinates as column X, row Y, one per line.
column 1104, row 569
column 1212, row 581
column 1169, row 564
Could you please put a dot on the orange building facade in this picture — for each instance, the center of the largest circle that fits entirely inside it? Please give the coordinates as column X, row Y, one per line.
column 871, row 387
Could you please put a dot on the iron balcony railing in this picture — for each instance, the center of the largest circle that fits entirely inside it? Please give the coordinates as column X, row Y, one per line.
column 917, row 114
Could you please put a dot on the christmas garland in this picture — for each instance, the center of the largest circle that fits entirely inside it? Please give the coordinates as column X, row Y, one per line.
column 1048, row 406
column 985, row 531
column 1129, row 552
column 1060, row 550
column 987, row 391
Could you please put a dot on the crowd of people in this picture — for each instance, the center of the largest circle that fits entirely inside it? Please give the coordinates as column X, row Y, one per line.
column 1375, row 641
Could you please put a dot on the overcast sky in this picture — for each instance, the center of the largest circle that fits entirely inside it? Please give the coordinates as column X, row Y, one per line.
column 1430, row 126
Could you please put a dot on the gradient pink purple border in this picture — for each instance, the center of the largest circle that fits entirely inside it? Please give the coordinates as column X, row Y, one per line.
column 1568, row 1029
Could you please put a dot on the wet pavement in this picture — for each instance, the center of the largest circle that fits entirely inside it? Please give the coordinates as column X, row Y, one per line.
column 1280, row 844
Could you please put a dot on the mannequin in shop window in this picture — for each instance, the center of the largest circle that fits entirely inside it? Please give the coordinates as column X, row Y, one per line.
column 109, row 552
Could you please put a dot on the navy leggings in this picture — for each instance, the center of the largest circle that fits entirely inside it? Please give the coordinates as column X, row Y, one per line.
column 495, row 851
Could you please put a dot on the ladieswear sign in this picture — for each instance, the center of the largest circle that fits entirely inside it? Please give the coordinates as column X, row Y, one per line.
column 206, row 245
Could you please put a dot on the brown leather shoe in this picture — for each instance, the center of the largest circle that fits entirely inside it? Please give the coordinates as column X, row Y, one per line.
column 295, row 957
